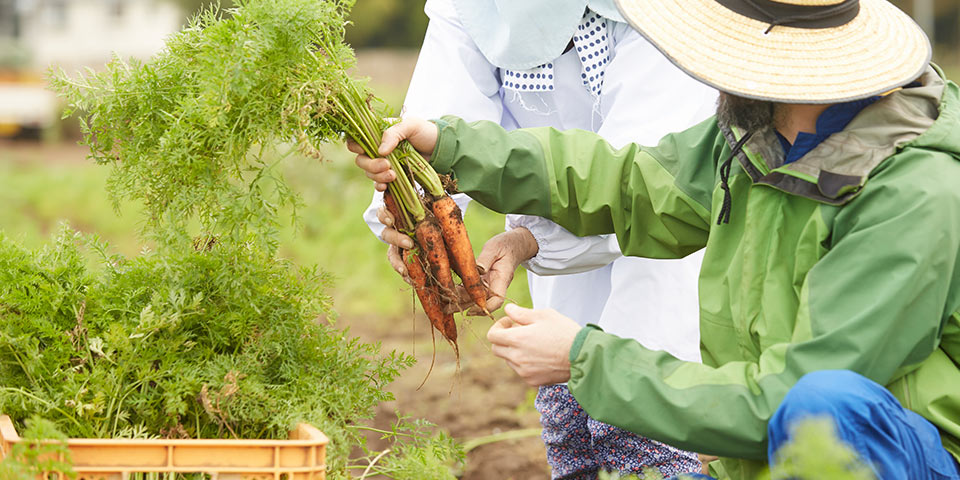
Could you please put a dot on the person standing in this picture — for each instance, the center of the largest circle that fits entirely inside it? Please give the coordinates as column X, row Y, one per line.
column 568, row 64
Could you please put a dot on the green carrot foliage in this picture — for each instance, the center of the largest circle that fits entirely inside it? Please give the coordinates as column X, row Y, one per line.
column 190, row 132
column 210, row 343
column 212, row 335
column 42, row 450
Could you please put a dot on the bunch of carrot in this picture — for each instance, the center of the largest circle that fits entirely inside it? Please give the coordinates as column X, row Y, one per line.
column 432, row 219
column 442, row 243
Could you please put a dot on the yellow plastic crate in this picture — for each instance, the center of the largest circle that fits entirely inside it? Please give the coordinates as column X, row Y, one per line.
column 301, row 457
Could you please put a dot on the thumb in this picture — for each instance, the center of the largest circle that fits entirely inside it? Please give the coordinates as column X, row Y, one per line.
column 520, row 315
column 392, row 137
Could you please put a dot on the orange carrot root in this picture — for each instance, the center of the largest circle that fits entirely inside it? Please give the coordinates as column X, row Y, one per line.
column 391, row 203
column 429, row 297
column 430, row 239
column 460, row 250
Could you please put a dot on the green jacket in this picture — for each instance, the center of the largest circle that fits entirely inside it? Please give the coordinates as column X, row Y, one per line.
column 844, row 259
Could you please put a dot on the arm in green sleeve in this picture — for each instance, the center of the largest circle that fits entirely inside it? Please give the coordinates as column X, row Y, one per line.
column 875, row 302
column 656, row 200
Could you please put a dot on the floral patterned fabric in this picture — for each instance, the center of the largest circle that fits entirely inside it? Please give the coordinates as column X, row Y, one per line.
column 579, row 446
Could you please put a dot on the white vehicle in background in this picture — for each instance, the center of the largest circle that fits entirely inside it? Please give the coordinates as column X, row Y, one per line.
column 36, row 35
column 27, row 108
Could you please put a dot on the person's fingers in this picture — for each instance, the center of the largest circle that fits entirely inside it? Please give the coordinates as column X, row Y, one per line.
column 377, row 169
column 501, row 351
column 500, row 332
column 510, row 363
column 502, row 324
column 393, row 136
column 461, row 301
column 382, row 177
column 497, row 282
column 396, row 261
column 520, row 315
column 394, row 237
column 421, row 134
column 385, row 216
column 372, row 165
column 354, row 146
column 494, row 301
column 488, row 255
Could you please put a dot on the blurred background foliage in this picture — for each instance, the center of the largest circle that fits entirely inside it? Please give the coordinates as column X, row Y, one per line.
column 376, row 23
column 401, row 23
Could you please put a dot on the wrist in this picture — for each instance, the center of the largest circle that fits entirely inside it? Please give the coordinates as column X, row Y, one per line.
column 578, row 341
column 441, row 158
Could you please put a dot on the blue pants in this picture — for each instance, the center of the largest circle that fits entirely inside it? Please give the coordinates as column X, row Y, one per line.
column 897, row 443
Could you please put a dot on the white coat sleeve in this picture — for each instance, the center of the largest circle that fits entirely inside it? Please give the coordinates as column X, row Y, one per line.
column 561, row 252
column 644, row 97
column 452, row 77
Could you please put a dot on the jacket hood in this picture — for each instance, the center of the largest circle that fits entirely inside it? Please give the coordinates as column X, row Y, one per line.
column 521, row 34
column 924, row 116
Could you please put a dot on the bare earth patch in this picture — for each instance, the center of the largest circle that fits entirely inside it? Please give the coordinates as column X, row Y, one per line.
column 485, row 398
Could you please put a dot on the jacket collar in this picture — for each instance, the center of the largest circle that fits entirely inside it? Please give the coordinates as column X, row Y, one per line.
column 836, row 170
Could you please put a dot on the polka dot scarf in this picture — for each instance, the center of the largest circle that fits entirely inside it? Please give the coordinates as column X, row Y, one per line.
column 592, row 45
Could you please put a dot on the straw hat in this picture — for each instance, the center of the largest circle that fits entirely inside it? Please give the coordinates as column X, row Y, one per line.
column 799, row 51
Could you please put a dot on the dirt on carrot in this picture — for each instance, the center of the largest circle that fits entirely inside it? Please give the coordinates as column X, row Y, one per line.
column 390, row 202
column 431, row 301
column 459, row 249
column 430, row 238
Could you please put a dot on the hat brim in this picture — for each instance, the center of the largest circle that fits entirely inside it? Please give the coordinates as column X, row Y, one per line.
column 879, row 50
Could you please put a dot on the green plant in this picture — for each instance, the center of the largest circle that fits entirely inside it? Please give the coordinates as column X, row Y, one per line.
column 419, row 453
column 648, row 474
column 211, row 342
column 813, row 452
column 212, row 335
column 43, row 449
column 193, row 132
column 190, row 134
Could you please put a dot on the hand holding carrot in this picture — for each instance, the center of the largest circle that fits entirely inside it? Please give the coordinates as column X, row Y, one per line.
column 498, row 259
column 439, row 245
column 535, row 343
column 421, row 134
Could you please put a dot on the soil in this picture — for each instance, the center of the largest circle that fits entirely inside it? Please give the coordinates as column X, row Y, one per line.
column 484, row 397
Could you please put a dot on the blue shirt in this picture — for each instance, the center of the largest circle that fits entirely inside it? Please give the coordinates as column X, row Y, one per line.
column 834, row 119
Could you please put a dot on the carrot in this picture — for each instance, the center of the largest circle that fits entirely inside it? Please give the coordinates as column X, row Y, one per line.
column 430, row 239
column 430, row 297
column 390, row 202
column 459, row 248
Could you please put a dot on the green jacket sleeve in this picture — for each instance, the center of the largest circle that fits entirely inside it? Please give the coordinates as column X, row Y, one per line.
column 875, row 303
column 658, row 206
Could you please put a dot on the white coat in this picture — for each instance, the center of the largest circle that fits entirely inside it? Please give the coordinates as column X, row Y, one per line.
column 644, row 97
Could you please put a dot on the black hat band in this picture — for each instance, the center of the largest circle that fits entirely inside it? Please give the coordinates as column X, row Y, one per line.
column 797, row 16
